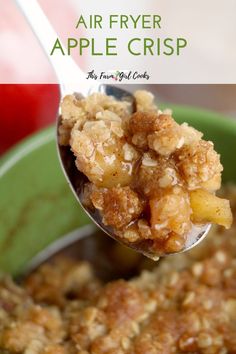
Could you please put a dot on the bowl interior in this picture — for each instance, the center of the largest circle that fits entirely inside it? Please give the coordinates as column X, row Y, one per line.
column 36, row 204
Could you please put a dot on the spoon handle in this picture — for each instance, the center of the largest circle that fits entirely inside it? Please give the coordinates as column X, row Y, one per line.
column 67, row 71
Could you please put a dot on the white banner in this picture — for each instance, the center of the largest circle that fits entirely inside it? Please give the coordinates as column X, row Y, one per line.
column 144, row 41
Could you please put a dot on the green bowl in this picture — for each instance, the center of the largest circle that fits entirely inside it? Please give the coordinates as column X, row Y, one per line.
column 36, row 204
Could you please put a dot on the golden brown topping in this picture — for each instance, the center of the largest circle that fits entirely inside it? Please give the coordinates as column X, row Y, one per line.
column 52, row 284
column 156, row 174
column 140, row 141
column 170, row 213
column 54, row 349
column 143, row 122
column 190, row 134
column 102, row 154
column 167, row 136
column 145, row 101
column 119, row 205
column 23, row 336
column 159, row 161
column 71, row 113
column 198, row 163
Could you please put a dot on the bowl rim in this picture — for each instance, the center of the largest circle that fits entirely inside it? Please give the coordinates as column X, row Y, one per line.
column 25, row 147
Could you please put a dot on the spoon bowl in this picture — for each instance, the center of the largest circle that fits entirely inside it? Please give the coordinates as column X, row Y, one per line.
column 72, row 79
column 77, row 181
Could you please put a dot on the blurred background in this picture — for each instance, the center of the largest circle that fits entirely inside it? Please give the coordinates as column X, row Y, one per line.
column 26, row 108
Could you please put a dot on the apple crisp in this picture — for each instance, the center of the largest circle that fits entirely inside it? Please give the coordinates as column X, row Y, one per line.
column 150, row 178
column 186, row 304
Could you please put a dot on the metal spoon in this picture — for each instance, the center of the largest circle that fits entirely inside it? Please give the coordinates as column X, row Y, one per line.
column 72, row 79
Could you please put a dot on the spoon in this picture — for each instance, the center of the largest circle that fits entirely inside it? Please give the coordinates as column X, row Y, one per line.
column 72, row 79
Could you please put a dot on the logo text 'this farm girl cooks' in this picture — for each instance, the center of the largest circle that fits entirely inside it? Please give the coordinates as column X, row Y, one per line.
column 153, row 45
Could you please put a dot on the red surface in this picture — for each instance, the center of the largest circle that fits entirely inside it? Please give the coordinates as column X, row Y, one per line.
column 22, row 59
column 25, row 109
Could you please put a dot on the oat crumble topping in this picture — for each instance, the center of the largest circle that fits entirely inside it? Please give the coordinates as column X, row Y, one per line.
column 186, row 304
column 144, row 169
